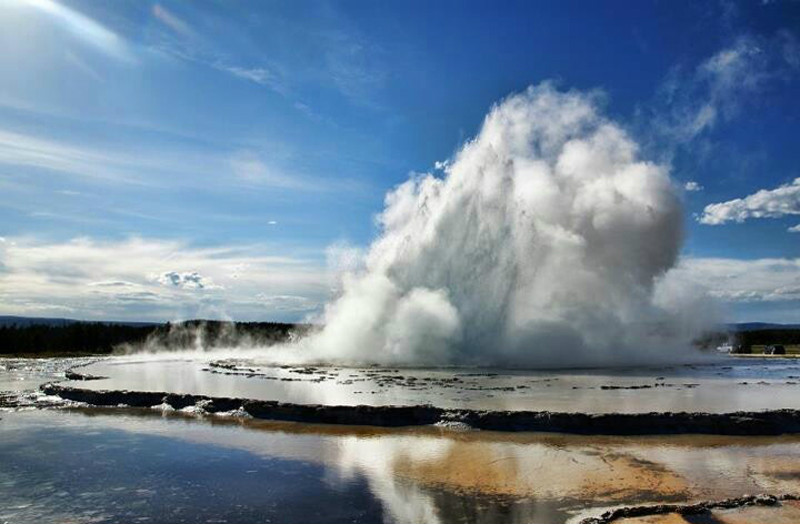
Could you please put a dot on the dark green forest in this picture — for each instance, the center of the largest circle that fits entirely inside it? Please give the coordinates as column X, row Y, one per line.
column 761, row 337
column 73, row 338
column 105, row 338
column 745, row 340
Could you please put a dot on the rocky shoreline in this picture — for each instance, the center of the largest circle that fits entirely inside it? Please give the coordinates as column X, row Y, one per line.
column 750, row 423
column 698, row 508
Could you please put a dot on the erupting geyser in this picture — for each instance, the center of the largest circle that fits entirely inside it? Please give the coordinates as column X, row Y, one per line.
column 544, row 243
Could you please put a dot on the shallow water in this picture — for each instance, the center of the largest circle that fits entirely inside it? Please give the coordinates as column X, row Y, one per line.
column 61, row 467
column 20, row 379
column 26, row 374
column 110, row 465
column 79, row 464
column 731, row 384
column 785, row 513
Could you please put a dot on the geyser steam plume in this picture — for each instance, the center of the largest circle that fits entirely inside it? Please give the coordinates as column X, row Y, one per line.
column 543, row 244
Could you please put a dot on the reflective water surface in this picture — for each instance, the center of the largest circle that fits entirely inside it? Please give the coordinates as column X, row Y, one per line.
column 26, row 374
column 729, row 384
column 110, row 465
column 20, row 378
column 80, row 464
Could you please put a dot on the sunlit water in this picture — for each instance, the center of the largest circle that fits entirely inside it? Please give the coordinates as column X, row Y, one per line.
column 108, row 465
column 20, row 379
column 724, row 386
column 78, row 464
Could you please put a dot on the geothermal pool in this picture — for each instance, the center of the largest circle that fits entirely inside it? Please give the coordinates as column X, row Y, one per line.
column 112, row 465
column 724, row 385
column 85, row 465
column 74, row 462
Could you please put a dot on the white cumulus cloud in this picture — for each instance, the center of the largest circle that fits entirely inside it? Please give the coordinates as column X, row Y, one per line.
column 766, row 203
column 186, row 280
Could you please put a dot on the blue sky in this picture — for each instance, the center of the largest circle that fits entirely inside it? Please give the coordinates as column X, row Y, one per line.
column 164, row 160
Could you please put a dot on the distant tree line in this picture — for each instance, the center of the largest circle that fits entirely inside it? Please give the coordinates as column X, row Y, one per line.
column 105, row 338
column 763, row 337
column 743, row 341
column 205, row 334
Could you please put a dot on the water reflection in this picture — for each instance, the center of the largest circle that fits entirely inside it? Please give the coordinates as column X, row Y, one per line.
column 27, row 374
column 207, row 468
column 726, row 386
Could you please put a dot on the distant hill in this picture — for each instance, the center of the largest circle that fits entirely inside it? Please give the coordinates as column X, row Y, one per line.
column 10, row 320
column 758, row 326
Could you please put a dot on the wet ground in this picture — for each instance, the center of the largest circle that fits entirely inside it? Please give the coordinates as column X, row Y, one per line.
column 83, row 464
column 728, row 384
column 20, row 379
column 110, row 465
column 785, row 513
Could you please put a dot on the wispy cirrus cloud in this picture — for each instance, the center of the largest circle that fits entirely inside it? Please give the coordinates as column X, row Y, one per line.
column 148, row 167
column 156, row 279
column 766, row 203
column 169, row 19
column 288, row 303
column 790, row 47
column 353, row 66
column 83, row 27
column 715, row 88
column 182, row 41
column 337, row 56
column 19, row 149
column 693, row 102
column 250, row 167
column 259, row 75
column 743, row 281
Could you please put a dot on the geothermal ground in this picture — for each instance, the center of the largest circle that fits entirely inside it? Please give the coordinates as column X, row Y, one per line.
column 208, row 439
column 719, row 386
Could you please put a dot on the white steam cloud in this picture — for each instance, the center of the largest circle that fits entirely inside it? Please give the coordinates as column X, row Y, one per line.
column 541, row 244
